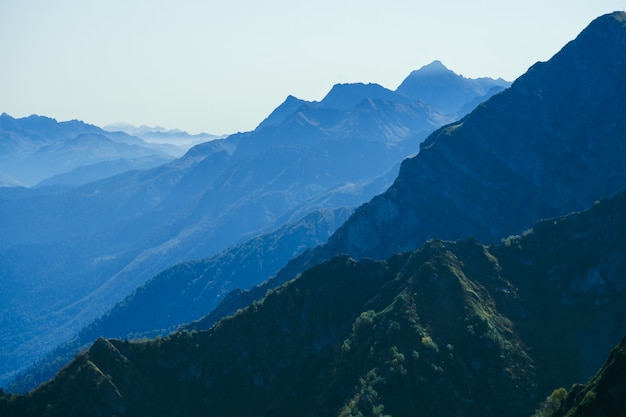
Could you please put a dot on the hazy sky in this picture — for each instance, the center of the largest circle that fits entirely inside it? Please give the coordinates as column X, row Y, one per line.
column 223, row 66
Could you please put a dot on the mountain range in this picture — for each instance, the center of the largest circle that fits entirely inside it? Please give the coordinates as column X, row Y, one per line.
column 489, row 175
column 447, row 92
column 86, row 247
column 523, row 155
column 548, row 145
column 160, row 135
column 36, row 148
column 452, row 328
column 423, row 301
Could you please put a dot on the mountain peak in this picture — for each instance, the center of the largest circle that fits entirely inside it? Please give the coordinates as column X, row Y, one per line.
column 433, row 68
column 445, row 90
column 617, row 16
column 346, row 96
column 280, row 113
column 522, row 137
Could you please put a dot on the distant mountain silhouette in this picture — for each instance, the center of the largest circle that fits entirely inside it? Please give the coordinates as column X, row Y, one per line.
column 121, row 231
column 345, row 96
column 523, row 155
column 452, row 328
column 90, row 173
column 180, row 139
column 383, row 319
column 35, row 148
column 443, row 91
column 186, row 291
column 280, row 113
column 446, row 91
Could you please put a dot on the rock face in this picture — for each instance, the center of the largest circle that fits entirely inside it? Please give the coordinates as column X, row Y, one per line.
column 453, row 328
column 550, row 144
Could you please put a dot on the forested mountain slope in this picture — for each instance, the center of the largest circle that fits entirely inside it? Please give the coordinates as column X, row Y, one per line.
column 453, row 328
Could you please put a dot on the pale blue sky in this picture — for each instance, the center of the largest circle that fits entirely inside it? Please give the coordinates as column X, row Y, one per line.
column 222, row 66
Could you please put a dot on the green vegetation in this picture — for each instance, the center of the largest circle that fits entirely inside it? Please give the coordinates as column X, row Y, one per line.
column 552, row 403
column 451, row 328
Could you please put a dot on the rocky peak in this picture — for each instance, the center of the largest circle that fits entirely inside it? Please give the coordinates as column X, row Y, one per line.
column 346, row 96
column 445, row 90
column 550, row 144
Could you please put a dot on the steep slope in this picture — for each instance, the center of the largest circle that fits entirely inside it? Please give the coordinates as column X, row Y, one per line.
column 496, row 171
column 171, row 298
column 453, row 328
column 94, row 172
column 179, row 140
column 318, row 346
column 346, row 96
column 120, row 231
column 186, row 291
column 284, row 110
column 551, row 144
column 61, row 244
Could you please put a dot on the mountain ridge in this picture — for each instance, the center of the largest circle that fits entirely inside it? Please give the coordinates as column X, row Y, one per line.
column 426, row 84
column 213, row 197
column 35, row 148
column 423, row 168
column 524, row 154
column 365, row 336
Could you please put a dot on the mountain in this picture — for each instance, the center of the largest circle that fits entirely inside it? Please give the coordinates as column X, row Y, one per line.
column 523, row 155
column 447, row 91
column 284, row 110
column 241, row 266
column 36, row 147
column 186, row 291
column 452, row 328
column 90, row 246
column 90, row 173
column 444, row 92
column 180, row 139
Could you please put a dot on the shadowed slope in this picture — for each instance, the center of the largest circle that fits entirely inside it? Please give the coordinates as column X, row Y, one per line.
column 454, row 328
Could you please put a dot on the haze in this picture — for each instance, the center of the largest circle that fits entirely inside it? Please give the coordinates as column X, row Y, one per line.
column 221, row 67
